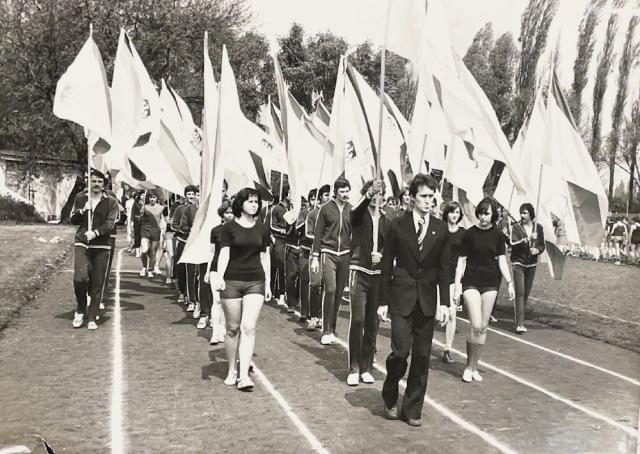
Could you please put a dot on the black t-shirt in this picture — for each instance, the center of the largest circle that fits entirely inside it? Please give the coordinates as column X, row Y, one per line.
column 455, row 242
column 245, row 245
column 215, row 240
column 482, row 248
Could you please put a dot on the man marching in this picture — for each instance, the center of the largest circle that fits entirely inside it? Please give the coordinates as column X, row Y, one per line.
column 92, row 247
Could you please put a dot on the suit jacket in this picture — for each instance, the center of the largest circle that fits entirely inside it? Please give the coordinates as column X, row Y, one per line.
column 416, row 274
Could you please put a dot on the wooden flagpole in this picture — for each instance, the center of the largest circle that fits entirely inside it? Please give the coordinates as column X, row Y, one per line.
column 89, row 165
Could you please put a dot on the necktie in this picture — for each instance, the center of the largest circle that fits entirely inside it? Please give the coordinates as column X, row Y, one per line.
column 420, row 231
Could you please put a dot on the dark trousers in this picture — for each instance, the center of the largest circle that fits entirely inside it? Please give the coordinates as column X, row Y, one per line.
column 523, row 281
column 204, row 291
column 107, row 274
column 292, row 272
column 192, row 285
column 335, row 272
column 315, row 292
column 277, row 269
column 364, row 292
column 303, row 269
column 409, row 335
column 89, row 269
column 180, row 269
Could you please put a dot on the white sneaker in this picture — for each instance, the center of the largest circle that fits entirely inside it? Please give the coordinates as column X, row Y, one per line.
column 281, row 302
column 521, row 329
column 367, row 378
column 150, row 274
column 202, row 322
column 196, row 311
column 102, row 306
column 156, row 270
column 312, row 324
column 78, row 320
column 138, row 254
column 181, row 298
column 143, row 272
column 191, row 307
column 476, row 376
column 168, row 281
column 353, row 379
column 334, row 339
column 326, row 339
column 92, row 325
column 467, row 376
column 232, row 378
column 492, row 319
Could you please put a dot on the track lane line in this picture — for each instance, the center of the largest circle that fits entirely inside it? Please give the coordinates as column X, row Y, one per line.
column 302, row 428
column 117, row 439
column 561, row 355
column 488, row 438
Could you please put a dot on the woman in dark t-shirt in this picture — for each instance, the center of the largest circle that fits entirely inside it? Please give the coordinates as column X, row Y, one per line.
column 243, row 276
column 481, row 265
column 215, row 311
column 452, row 215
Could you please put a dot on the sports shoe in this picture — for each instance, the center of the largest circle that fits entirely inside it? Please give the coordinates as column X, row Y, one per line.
column 78, row 319
column 181, row 298
column 245, row 384
column 353, row 379
column 196, row 311
column 476, row 376
column 232, row 378
column 326, row 339
column 150, row 274
column 521, row 329
column 334, row 340
column 168, row 281
column 156, row 269
column 312, row 324
column 138, row 254
column 492, row 319
column 191, row 307
column 102, row 306
column 467, row 376
column 202, row 322
column 92, row 325
column 143, row 272
column 446, row 357
column 367, row 378
column 281, row 302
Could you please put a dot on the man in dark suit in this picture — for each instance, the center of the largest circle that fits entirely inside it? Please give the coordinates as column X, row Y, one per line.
column 418, row 244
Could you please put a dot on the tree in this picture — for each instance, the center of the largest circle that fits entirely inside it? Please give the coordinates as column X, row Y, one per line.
column 294, row 63
column 585, row 46
column 605, row 63
column 631, row 148
column 477, row 57
column 39, row 40
column 628, row 59
column 534, row 28
column 502, row 62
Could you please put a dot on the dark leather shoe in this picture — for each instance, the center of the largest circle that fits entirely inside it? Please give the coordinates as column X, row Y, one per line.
column 391, row 413
column 446, row 357
column 414, row 422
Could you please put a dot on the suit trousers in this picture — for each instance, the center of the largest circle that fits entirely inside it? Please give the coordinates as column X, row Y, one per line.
column 335, row 272
column 89, row 270
column 364, row 292
column 413, row 335
column 292, row 271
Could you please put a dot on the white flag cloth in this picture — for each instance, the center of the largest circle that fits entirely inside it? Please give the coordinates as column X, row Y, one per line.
column 82, row 93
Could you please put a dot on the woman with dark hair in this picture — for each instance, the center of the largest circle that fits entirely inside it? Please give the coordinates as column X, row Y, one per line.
column 150, row 231
column 215, row 313
column 404, row 201
column 243, row 282
column 527, row 244
column 452, row 215
column 481, row 265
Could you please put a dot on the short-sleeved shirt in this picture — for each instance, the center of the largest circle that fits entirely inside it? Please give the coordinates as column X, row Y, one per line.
column 215, row 240
column 245, row 246
column 482, row 249
column 455, row 242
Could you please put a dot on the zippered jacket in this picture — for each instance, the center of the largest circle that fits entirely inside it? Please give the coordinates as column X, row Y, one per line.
column 332, row 232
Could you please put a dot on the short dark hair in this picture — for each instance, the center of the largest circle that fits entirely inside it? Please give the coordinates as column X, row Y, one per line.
column 312, row 194
column 368, row 184
column 450, row 207
column 528, row 207
column 420, row 180
column 324, row 189
column 222, row 209
column 341, row 183
column 241, row 197
column 97, row 173
column 190, row 188
column 483, row 208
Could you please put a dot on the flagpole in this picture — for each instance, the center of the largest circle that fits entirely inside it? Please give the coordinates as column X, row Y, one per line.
column 89, row 165
column 376, row 214
column 424, row 149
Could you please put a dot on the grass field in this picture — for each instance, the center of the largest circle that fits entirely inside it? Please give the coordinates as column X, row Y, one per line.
column 25, row 263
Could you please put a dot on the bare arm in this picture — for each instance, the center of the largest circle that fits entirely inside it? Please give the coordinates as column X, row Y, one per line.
column 506, row 275
column 265, row 260
column 223, row 262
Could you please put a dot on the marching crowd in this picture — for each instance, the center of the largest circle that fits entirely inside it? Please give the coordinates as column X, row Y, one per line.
column 411, row 264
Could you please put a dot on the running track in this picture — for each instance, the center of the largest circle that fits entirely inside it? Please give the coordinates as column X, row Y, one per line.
column 148, row 381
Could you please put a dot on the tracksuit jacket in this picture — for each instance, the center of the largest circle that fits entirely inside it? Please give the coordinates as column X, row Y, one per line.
column 104, row 218
column 332, row 232
column 362, row 237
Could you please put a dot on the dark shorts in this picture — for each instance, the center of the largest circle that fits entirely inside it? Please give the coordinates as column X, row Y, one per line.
column 238, row 289
column 481, row 289
column 150, row 233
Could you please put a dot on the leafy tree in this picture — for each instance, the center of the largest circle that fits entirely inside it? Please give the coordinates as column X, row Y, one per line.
column 477, row 57
column 631, row 148
column 503, row 60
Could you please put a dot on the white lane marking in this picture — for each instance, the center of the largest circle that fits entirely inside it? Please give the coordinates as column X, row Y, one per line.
column 586, row 311
column 562, row 355
column 594, row 414
column 117, row 439
column 490, row 439
column 302, row 428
